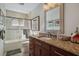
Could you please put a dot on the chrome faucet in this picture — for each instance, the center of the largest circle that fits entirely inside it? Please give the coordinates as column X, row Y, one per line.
column 50, row 35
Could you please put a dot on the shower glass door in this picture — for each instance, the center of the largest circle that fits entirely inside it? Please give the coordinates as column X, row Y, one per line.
column 15, row 33
column 12, row 29
column 12, row 36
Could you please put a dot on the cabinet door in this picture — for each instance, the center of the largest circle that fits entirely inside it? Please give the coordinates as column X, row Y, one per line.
column 31, row 47
column 53, row 52
column 40, row 51
column 37, row 50
column 44, row 52
column 31, row 52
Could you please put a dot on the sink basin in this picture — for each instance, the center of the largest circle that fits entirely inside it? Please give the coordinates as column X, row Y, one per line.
column 45, row 38
column 42, row 36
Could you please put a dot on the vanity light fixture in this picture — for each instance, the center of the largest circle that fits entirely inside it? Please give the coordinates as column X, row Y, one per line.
column 48, row 6
column 45, row 7
column 51, row 5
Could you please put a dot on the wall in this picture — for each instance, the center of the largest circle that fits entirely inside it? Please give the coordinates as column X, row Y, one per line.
column 16, row 14
column 38, row 11
column 71, row 17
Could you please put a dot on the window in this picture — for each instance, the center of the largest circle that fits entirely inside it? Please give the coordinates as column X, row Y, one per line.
column 16, row 22
column 21, row 22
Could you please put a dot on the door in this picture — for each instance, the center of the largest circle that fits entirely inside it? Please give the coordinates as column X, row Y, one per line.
column 1, row 33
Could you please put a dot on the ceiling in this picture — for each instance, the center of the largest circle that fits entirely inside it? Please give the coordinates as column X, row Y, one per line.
column 18, row 7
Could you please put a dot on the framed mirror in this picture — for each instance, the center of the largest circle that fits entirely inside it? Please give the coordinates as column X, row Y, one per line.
column 35, row 23
column 55, row 18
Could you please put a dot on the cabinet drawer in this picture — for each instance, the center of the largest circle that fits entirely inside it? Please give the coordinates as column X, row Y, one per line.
column 62, row 52
column 53, row 52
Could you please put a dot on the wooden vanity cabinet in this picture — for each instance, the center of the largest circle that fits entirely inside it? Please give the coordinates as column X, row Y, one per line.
column 31, row 46
column 40, row 48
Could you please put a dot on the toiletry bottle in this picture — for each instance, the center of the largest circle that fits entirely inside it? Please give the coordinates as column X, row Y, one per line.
column 75, row 36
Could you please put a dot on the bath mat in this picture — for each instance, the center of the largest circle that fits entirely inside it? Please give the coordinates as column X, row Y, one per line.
column 12, row 52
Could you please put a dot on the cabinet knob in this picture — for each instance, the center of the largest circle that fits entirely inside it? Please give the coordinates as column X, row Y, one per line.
column 58, row 53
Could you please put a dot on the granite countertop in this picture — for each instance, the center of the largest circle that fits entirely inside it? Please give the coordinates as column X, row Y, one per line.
column 66, row 45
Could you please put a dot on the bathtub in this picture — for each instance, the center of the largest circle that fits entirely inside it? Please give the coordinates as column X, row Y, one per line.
column 13, row 44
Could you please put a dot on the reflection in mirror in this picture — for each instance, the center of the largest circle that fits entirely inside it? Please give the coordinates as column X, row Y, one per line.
column 54, row 19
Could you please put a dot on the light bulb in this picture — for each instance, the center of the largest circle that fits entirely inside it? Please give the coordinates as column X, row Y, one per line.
column 51, row 5
column 45, row 7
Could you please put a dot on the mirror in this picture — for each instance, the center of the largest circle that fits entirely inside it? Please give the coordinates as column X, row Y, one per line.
column 55, row 18
column 35, row 23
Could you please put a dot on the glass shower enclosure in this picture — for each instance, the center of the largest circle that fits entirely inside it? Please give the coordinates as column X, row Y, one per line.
column 15, row 33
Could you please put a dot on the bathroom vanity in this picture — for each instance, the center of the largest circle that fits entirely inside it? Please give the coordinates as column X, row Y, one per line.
column 43, row 46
